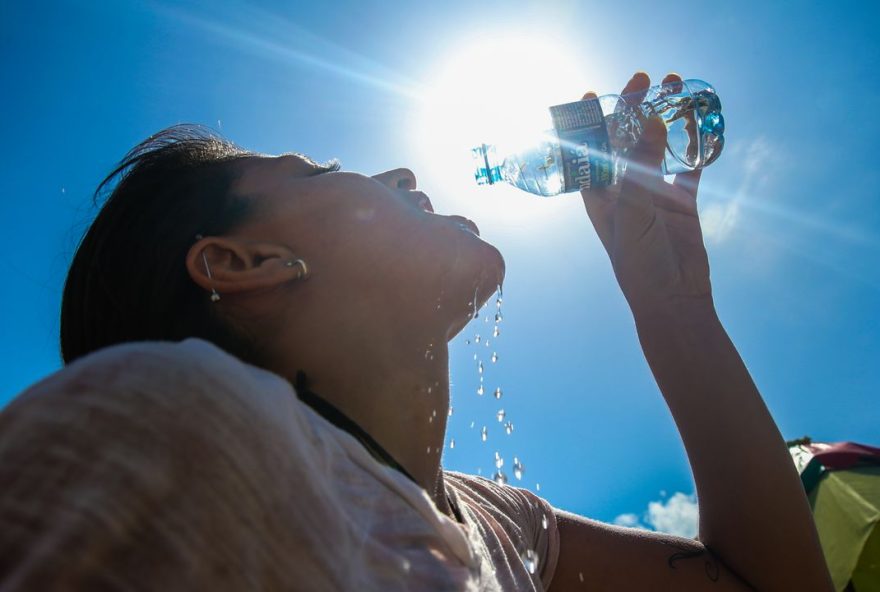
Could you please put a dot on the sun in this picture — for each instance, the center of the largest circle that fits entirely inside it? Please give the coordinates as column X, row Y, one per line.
column 494, row 88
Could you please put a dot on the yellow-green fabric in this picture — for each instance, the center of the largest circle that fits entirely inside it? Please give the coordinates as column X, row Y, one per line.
column 846, row 507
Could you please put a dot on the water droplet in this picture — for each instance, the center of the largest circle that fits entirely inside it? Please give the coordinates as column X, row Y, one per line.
column 405, row 565
column 437, row 450
column 498, row 393
column 429, row 450
column 476, row 314
column 494, row 357
column 472, row 425
column 581, row 576
column 477, row 338
column 518, row 469
column 429, row 390
column 543, row 522
column 467, row 341
column 530, row 560
column 498, row 303
column 475, row 357
column 452, row 445
column 496, row 331
column 487, row 343
column 480, row 367
column 500, row 415
column 499, row 461
column 434, row 413
column 537, row 487
column 498, row 317
column 480, row 390
column 450, row 411
column 500, row 478
column 479, row 471
column 508, row 427
column 484, row 434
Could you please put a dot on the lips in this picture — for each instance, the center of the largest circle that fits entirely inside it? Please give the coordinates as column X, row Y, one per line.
column 465, row 224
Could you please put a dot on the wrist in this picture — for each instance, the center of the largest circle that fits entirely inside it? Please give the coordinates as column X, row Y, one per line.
column 673, row 315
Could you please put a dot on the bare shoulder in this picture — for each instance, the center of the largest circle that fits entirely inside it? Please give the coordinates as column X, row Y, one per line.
column 606, row 557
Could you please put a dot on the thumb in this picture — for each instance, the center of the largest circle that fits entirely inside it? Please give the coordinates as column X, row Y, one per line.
column 635, row 211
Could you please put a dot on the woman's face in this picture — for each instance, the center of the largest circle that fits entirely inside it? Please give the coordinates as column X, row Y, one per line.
column 373, row 243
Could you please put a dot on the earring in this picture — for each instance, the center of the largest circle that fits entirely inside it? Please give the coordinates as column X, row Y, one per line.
column 215, row 297
column 303, row 272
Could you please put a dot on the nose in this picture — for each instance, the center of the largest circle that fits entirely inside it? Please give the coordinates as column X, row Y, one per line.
column 398, row 179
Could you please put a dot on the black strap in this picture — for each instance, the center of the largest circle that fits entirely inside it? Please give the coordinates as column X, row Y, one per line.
column 345, row 423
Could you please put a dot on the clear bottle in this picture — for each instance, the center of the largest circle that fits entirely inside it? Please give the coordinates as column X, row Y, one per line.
column 590, row 140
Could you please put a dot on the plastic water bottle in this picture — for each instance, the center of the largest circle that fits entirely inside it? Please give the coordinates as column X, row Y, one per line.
column 588, row 145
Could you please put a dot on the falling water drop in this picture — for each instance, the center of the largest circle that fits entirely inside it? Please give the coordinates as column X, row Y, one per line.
column 498, row 393
column 477, row 338
column 581, row 576
column 498, row 317
column 537, row 487
column 518, row 469
column 452, row 445
column 498, row 303
column 487, row 343
column 480, row 390
column 500, row 415
column 450, row 411
column 494, row 357
column 543, row 518
column 499, row 461
column 530, row 560
column 499, row 477
column 484, row 434
column 508, row 427
column 475, row 357
column 496, row 331
column 480, row 367
column 467, row 341
column 472, row 425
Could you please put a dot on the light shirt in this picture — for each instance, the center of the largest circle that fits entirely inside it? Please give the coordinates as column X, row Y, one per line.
column 167, row 466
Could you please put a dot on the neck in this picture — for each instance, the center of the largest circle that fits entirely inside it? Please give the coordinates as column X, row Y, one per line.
column 396, row 391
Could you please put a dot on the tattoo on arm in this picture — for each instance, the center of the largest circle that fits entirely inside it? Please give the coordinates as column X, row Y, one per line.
column 684, row 553
column 712, row 564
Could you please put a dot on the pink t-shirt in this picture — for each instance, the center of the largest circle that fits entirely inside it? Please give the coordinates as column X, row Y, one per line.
column 161, row 466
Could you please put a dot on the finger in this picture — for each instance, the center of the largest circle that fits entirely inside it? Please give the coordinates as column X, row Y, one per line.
column 600, row 209
column 673, row 82
column 689, row 182
column 589, row 95
column 634, row 91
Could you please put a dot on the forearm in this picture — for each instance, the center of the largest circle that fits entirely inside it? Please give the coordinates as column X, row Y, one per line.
column 753, row 511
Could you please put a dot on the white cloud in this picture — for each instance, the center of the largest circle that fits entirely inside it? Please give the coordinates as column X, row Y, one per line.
column 628, row 520
column 676, row 515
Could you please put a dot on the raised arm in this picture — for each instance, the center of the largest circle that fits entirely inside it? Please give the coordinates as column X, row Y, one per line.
column 756, row 529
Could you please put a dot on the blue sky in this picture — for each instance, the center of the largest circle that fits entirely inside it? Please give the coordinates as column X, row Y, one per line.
column 791, row 209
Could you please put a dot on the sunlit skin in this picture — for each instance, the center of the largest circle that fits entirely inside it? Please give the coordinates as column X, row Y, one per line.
column 391, row 283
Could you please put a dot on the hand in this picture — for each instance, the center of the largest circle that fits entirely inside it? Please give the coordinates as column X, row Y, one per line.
column 650, row 228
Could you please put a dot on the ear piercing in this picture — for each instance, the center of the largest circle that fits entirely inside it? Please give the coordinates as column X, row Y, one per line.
column 304, row 271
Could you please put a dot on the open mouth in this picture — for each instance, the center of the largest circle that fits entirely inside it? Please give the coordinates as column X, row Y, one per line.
column 465, row 224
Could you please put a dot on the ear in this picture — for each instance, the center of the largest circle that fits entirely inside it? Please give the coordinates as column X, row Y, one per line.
column 238, row 266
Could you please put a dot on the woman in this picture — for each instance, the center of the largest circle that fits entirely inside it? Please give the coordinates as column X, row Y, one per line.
column 176, row 465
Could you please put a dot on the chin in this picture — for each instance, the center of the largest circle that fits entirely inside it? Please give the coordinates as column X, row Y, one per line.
column 477, row 282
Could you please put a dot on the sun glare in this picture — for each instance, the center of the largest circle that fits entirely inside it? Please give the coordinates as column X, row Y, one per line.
column 496, row 89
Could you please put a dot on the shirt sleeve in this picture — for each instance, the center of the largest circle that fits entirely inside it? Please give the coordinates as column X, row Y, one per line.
column 527, row 519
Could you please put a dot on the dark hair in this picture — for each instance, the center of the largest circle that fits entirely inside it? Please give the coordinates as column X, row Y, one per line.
column 128, row 280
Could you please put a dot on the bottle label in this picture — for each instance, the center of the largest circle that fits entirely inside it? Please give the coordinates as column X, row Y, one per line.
column 583, row 137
